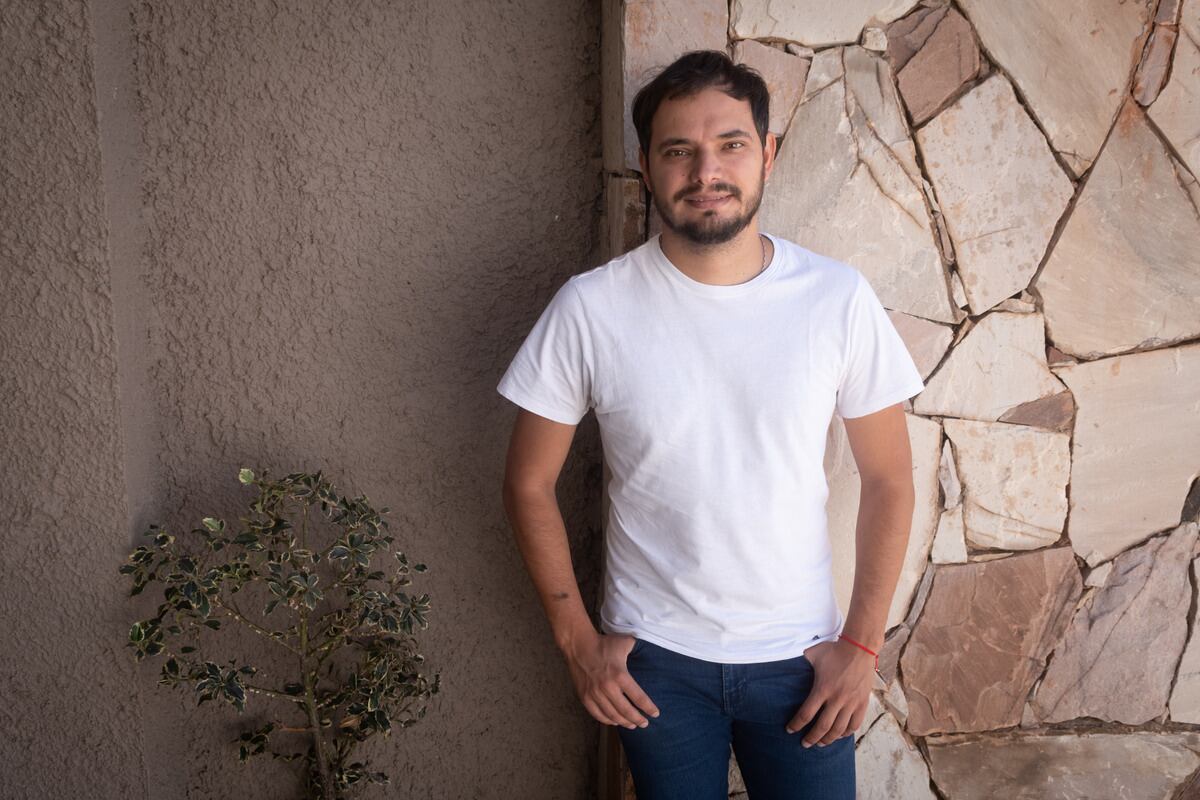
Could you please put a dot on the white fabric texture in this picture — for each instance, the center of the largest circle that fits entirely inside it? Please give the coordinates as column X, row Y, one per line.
column 713, row 404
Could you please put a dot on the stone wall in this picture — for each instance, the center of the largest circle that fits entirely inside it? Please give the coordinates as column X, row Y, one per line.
column 1017, row 180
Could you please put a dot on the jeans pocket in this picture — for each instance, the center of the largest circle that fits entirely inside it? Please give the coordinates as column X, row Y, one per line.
column 638, row 644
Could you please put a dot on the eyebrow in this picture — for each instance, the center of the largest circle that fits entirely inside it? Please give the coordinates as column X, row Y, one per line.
column 734, row 134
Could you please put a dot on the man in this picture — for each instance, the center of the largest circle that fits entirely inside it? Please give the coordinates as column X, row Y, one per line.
column 714, row 357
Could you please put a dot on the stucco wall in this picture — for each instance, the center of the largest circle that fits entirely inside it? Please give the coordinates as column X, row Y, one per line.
column 300, row 239
column 69, row 710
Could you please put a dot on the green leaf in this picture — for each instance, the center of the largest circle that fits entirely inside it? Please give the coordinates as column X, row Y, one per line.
column 246, row 475
column 214, row 524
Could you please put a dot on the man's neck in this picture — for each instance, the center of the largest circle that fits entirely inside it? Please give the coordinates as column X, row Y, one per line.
column 726, row 264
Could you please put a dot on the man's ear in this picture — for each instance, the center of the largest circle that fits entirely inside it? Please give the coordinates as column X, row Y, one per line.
column 644, row 164
column 769, row 151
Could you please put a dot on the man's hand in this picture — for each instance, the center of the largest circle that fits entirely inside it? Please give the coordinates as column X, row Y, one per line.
column 597, row 664
column 843, row 675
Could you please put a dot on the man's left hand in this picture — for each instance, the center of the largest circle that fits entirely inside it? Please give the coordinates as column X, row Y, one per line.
column 842, row 680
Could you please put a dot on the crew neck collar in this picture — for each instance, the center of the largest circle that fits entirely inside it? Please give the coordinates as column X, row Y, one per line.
column 673, row 273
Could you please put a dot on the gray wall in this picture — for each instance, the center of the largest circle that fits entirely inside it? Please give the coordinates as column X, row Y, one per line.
column 298, row 238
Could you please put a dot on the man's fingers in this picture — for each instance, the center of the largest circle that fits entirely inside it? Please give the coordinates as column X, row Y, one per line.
column 610, row 710
column 839, row 728
column 820, row 727
column 638, row 697
column 807, row 710
column 595, row 711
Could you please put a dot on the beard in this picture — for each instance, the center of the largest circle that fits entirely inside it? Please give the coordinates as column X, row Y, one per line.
column 711, row 228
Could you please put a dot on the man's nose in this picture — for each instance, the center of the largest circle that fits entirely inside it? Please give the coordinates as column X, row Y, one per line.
column 706, row 167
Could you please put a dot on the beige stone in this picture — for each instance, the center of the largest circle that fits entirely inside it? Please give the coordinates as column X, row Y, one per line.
column 948, row 60
column 1014, row 483
column 1016, row 306
column 846, row 184
column 874, row 710
column 653, row 34
column 1000, row 190
column 950, row 544
column 1071, row 62
column 1137, row 433
column 982, row 639
column 874, row 39
column 889, row 766
column 1119, row 653
column 1185, row 695
column 812, row 24
column 1098, row 576
column 926, row 341
column 925, row 437
column 1176, row 112
column 1125, row 272
column 785, row 75
column 999, row 364
column 1066, row 766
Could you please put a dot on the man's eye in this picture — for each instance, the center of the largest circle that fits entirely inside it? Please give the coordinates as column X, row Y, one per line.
column 739, row 144
column 672, row 152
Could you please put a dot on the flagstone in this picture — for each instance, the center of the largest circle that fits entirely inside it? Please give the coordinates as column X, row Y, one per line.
column 1133, row 455
column 1063, row 766
column 1014, row 483
column 1118, row 655
column 1071, row 62
column 1000, row 190
column 983, row 637
column 1176, row 111
column 812, row 24
column 999, row 364
column 1140, row 242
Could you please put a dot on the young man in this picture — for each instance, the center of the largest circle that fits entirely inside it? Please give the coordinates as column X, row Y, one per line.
column 714, row 357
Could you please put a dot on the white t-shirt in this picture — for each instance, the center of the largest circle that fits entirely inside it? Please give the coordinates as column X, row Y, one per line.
column 713, row 404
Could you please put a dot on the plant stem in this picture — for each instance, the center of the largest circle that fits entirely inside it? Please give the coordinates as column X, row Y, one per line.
column 310, row 702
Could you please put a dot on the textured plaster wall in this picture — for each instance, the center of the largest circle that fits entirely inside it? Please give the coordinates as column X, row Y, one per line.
column 296, row 238
column 69, row 711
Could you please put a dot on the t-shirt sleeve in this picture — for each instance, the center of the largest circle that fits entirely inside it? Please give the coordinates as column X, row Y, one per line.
column 878, row 369
column 551, row 374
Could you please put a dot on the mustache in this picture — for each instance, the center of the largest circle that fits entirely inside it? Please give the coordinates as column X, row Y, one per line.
column 720, row 188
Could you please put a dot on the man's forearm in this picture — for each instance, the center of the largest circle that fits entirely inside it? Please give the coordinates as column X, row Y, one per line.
column 885, row 512
column 542, row 537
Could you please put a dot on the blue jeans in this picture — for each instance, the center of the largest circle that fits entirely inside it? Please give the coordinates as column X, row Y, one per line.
column 705, row 708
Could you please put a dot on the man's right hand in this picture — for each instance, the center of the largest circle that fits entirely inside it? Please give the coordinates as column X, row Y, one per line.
column 597, row 664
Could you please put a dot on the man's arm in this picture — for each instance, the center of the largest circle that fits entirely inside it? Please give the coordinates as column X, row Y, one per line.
column 843, row 671
column 883, row 455
column 536, row 454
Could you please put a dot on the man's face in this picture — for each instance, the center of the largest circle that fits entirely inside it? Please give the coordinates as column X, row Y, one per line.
column 707, row 167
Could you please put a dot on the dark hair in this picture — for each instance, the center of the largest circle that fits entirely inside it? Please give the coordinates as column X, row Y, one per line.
column 696, row 70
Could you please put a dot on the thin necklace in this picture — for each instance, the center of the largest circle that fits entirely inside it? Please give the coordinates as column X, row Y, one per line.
column 762, row 240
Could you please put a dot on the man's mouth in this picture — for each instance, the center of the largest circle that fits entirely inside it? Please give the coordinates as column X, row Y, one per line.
column 708, row 201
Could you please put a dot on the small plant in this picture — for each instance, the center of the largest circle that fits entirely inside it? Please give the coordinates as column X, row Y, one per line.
column 319, row 599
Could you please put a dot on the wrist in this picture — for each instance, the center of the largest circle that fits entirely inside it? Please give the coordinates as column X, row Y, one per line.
column 568, row 637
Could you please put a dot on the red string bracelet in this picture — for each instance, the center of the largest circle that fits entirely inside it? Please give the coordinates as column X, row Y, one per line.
column 872, row 652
